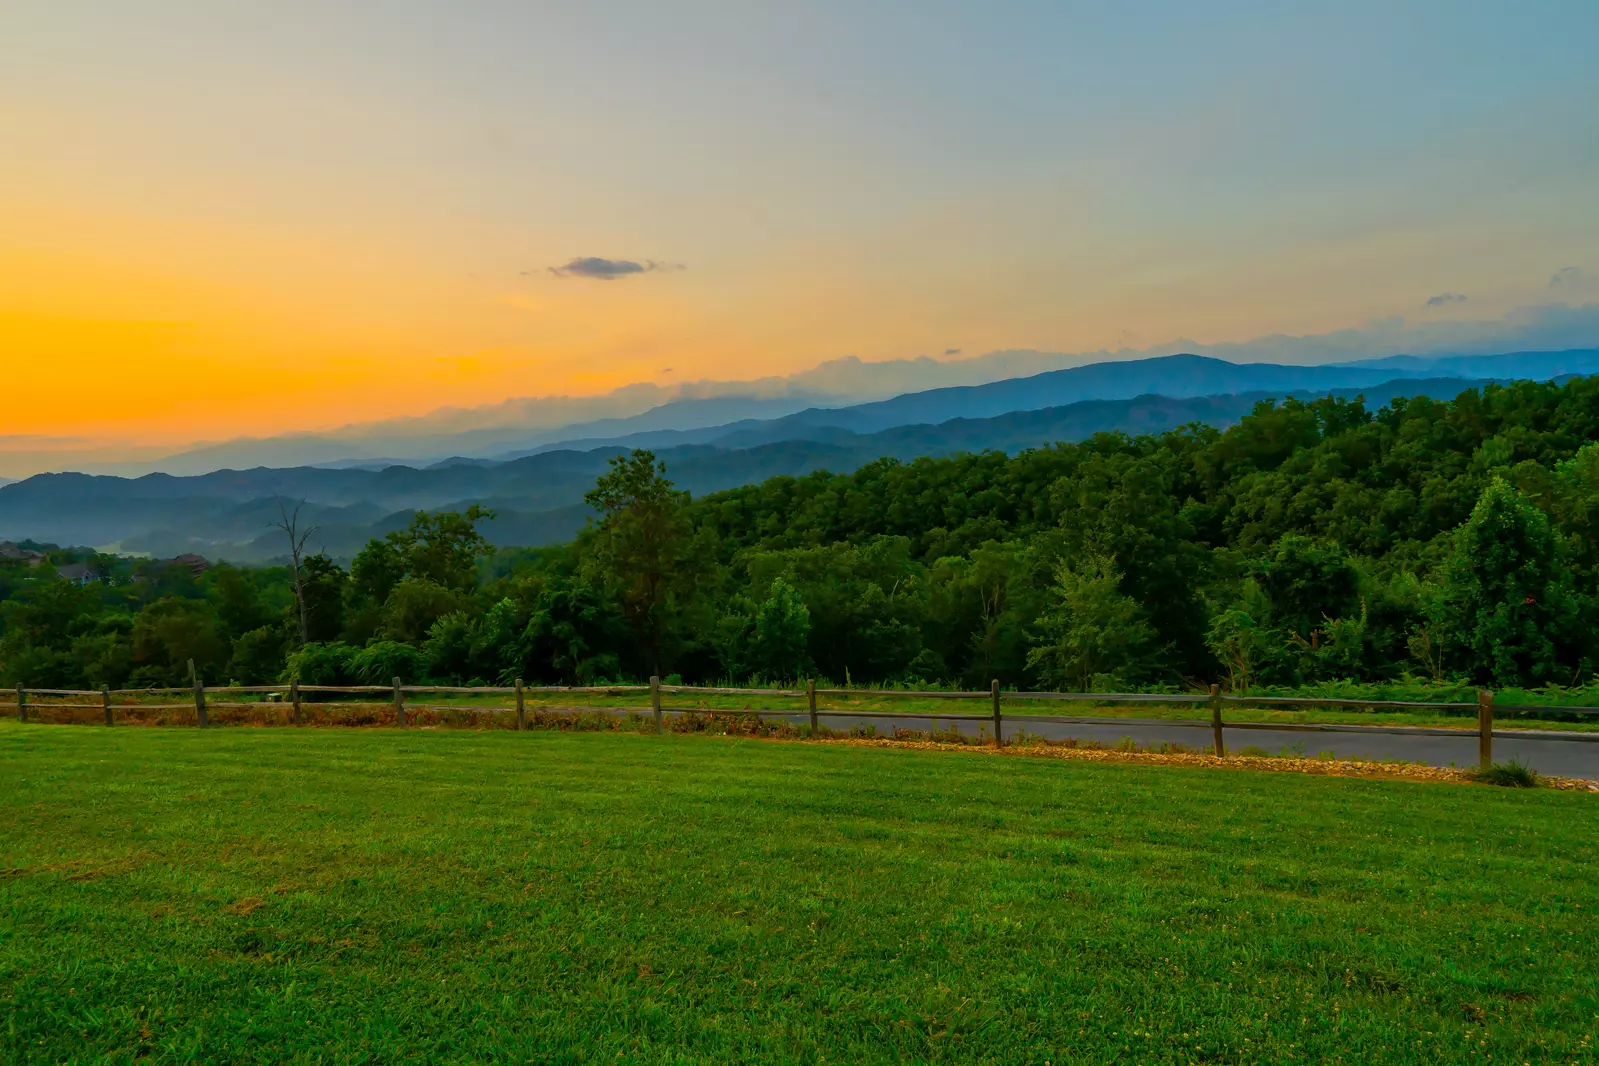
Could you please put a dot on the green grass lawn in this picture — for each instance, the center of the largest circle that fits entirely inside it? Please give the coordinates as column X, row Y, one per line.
column 273, row 895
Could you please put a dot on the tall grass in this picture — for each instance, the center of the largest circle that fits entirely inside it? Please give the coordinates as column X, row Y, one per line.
column 1512, row 774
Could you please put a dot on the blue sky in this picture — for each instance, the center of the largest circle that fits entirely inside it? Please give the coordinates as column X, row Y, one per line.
column 361, row 203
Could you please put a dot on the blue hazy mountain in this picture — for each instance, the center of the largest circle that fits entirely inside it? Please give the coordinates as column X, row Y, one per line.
column 1173, row 376
column 227, row 513
column 844, row 393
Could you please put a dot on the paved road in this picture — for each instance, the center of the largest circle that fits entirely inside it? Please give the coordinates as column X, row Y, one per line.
column 1551, row 753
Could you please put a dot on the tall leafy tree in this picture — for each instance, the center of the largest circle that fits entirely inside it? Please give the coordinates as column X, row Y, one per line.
column 1094, row 635
column 639, row 544
column 1307, row 584
column 322, row 584
column 444, row 546
column 573, row 634
column 1511, row 592
column 41, row 623
column 240, row 607
column 1242, row 639
column 867, row 603
column 171, row 633
column 402, row 584
column 782, row 633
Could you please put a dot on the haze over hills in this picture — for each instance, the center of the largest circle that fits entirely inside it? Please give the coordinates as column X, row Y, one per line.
column 521, row 425
column 1175, row 376
column 227, row 513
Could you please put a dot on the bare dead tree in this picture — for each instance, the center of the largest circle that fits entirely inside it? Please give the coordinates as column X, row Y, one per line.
column 290, row 524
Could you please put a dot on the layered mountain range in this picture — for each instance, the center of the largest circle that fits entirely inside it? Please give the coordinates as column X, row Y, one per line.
column 537, row 491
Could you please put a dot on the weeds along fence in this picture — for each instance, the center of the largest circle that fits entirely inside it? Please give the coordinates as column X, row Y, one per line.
column 396, row 704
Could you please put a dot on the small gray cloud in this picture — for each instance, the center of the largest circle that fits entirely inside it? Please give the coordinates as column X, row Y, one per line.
column 1444, row 299
column 601, row 269
column 952, row 351
column 1567, row 278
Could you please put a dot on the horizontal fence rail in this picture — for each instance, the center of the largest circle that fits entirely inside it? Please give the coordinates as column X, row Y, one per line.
column 25, row 703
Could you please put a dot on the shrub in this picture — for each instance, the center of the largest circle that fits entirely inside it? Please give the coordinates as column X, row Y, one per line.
column 1512, row 774
column 382, row 661
column 258, row 656
column 321, row 664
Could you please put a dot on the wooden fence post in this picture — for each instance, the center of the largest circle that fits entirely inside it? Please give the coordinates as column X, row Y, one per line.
column 994, row 689
column 1215, row 721
column 521, row 708
column 655, row 702
column 199, row 701
column 22, row 702
column 399, row 703
column 810, row 694
column 105, row 698
column 1485, row 728
column 294, row 696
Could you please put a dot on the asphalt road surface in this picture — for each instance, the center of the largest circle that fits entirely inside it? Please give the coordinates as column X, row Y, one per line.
column 1556, row 754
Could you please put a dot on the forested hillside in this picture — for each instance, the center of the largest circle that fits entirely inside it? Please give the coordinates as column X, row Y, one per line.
column 1311, row 541
column 538, row 500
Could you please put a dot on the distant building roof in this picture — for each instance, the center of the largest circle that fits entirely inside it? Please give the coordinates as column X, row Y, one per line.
column 9, row 550
column 197, row 563
column 79, row 572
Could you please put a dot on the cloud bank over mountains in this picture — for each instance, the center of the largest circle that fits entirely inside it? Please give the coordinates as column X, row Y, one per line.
column 524, row 421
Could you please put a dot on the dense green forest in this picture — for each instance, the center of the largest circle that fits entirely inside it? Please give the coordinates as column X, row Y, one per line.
column 1311, row 542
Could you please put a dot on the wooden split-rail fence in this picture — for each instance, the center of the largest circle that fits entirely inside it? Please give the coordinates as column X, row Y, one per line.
column 202, row 701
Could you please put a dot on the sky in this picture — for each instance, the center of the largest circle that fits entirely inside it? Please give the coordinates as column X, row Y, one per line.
column 223, row 219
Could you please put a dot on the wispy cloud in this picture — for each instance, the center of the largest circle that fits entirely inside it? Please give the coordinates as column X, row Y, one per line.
column 952, row 351
column 601, row 269
column 1444, row 299
column 1567, row 278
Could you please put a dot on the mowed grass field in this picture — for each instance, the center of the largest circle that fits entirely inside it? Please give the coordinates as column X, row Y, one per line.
column 277, row 895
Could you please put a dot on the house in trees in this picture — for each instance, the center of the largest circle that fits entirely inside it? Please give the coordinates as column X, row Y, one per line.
column 197, row 564
column 78, row 573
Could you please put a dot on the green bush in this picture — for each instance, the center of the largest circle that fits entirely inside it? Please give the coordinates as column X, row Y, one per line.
column 322, row 664
column 380, row 662
column 1512, row 774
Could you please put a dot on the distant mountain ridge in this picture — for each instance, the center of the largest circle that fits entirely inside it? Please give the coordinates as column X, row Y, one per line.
column 226, row 514
column 1173, row 376
column 520, row 425
column 1178, row 377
